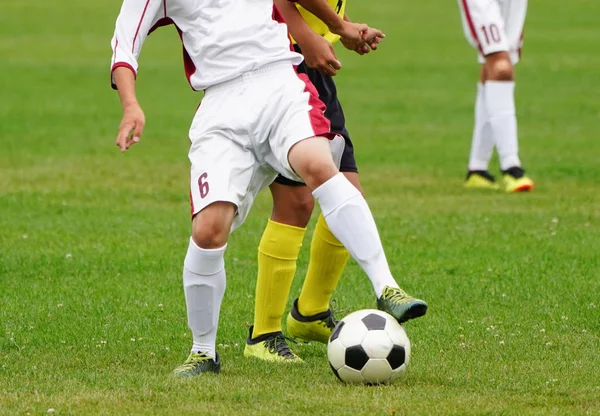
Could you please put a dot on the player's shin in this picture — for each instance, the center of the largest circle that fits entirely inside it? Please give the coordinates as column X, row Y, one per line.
column 204, row 286
column 500, row 105
column 328, row 257
column 482, row 144
column 277, row 256
column 350, row 220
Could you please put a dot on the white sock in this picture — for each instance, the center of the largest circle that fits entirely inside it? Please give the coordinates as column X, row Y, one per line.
column 482, row 145
column 350, row 220
column 500, row 105
column 204, row 286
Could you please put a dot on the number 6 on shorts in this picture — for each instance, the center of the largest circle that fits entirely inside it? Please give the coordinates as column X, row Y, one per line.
column 203, row 185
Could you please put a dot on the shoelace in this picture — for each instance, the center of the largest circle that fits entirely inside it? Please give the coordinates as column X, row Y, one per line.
column 331, row 321
column 278, row 345
column 395, row 294
column 193, row 360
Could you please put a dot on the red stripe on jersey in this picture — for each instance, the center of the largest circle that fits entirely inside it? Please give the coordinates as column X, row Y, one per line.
column 139, row 25
column 124, row 65
column 278, row 17
column 117, row 65
column 115, row 51
column 188, row 63
column 471, row 25
column 320, row 124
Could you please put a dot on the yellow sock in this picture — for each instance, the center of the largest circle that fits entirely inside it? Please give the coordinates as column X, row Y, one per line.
column 277, row 254
column 328, row 257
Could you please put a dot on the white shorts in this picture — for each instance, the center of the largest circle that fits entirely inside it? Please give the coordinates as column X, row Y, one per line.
column 494, row 25
column 242, row 133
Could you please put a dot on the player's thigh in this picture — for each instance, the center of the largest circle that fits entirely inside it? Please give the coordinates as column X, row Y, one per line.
column 296, row 114
column 484, row 26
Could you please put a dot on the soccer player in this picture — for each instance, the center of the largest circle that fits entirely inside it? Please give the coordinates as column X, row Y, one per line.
column 495, row 29
column 310, row 318
column 258, row 118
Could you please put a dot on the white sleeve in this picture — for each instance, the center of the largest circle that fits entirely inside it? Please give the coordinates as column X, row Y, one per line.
column 133, row 24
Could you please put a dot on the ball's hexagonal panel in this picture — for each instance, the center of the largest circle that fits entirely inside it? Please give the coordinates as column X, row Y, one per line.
column 352, row 333
column 356, row 357
column 396, row 357
column 336, row 331
column 336, row 354
column 358, row 315
column 350, row 375
column 377, row 344
column 374, row 321
column 377, row 371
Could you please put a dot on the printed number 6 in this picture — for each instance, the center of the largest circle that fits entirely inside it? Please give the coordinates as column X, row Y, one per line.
column 203, row 185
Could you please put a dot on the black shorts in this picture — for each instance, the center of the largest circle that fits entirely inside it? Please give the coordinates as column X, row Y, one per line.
column 334, row 113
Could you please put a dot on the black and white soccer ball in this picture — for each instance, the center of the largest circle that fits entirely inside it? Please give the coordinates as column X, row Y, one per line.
column 370, row 347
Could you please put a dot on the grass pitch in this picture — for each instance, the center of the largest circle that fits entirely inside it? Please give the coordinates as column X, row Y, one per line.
column 92, row 315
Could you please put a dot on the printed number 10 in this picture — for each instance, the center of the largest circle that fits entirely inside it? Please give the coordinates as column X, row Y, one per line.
column 493, row 33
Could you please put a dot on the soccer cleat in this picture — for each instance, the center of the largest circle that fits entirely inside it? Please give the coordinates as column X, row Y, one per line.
column 480, row 179
column 310, row 328
column 515, row 180
column 270, row 347
column 198, row 363
column 400, row 305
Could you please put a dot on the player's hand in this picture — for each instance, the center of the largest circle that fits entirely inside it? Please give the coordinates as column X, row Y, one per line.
column 320, row 55
column 352, row 34
column 373, row 38
column 131, row 127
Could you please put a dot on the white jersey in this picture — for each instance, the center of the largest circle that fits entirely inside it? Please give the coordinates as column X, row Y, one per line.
column 222, row 39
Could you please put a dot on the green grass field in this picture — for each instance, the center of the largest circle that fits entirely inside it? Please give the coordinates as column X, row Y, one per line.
column 92, row 314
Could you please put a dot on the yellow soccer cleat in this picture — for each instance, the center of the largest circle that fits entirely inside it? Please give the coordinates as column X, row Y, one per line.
column 310, row 328
column 401, row 305
column 480, row 179
column 270, row 347
column 515, row 180
column 198, row 363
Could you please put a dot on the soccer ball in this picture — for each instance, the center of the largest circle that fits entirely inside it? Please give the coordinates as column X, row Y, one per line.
column 370, row 347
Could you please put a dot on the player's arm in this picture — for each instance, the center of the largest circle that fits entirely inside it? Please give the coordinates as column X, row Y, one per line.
column 318, row 53
column 352, row 32
column 131, row 29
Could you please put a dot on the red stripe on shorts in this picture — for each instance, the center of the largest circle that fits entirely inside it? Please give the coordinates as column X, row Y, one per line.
column 320, row 124
column 471, row 25
column 521, row 42
column 191, row 203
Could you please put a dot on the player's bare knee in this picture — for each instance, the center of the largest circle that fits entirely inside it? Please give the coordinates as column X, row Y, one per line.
column 295, row 210
column 292, row 205
column 210, row 227
column 500, row 69
column 209, row 235
column 317, row 172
